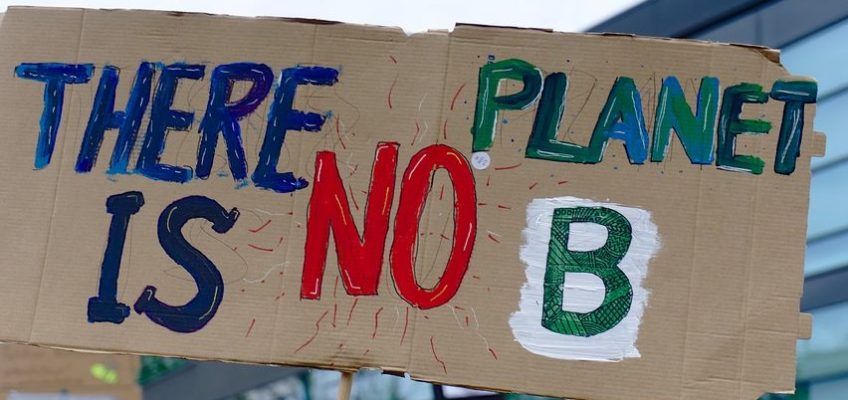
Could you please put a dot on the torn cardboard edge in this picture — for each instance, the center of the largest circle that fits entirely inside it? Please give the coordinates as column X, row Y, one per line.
column 770, row 54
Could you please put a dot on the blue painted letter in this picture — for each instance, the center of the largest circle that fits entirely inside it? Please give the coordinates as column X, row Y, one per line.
column 55, row 76
column 105, row 307
column 162, row 119
column 282, row 118
column 195, row 314
column 222, row 115
column 104, row 117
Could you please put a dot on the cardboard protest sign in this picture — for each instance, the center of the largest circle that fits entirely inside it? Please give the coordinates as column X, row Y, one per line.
column 28, row 372
column 585, row 216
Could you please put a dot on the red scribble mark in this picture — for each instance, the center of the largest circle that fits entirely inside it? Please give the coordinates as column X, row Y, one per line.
column 350, row 314
column 475, row 276
column 393, row 59
column 355, row 167
column 339, row 134
column 533, row 185
column 493, row 238
column 561, row 182
column 366, row 352
column 314, row 335
column 493, row 353
column 442, row 192
column 443, row 236
column 250, row 328
column 281, row 295
column 417, row 130
column 501, row 206
column 253, row 246
column 376, row 322
column 488, row 179
column 427, row 317
column 507, row 167
column 405, row 325
column 391, row 89
column 453, row 101
column 336, row 286
column 279, row 242
column 352, row 197
column 436, row 356
column 255, row 230
column 445, row 130
column 482, row 204
column 466, row 321
column 335, row 312
column 459, row 308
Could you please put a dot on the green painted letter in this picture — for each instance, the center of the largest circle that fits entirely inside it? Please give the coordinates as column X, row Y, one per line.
column 622, row 119
column 602, row 262
column 489, row 103
column 543, row 143
column 794, row 94
column 730, row 125
column 694, row 131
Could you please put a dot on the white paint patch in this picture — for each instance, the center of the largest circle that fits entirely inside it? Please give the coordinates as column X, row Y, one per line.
column 581, row 292
column 480, row 160
column 585, row 236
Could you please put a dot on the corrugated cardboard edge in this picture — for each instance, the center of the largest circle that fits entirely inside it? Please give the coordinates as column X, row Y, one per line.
column 819, row 144
column 768, row 53
column 805, row 326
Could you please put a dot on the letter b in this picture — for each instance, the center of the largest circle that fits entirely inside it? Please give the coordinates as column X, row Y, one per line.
column 602, row 262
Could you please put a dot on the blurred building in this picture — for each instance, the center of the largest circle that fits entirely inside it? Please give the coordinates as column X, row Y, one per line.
column 813, row 36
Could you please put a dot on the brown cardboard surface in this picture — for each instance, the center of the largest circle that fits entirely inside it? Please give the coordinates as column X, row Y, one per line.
column 30, row 369
column 721, row 310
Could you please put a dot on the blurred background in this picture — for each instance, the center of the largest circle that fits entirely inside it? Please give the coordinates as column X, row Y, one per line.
column 812, row 35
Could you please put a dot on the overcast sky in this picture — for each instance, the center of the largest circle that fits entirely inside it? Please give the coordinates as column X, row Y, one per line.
column 412, row 16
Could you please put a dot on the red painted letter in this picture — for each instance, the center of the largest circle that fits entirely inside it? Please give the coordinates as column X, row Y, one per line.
column 414, row 189
column 360, row 259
